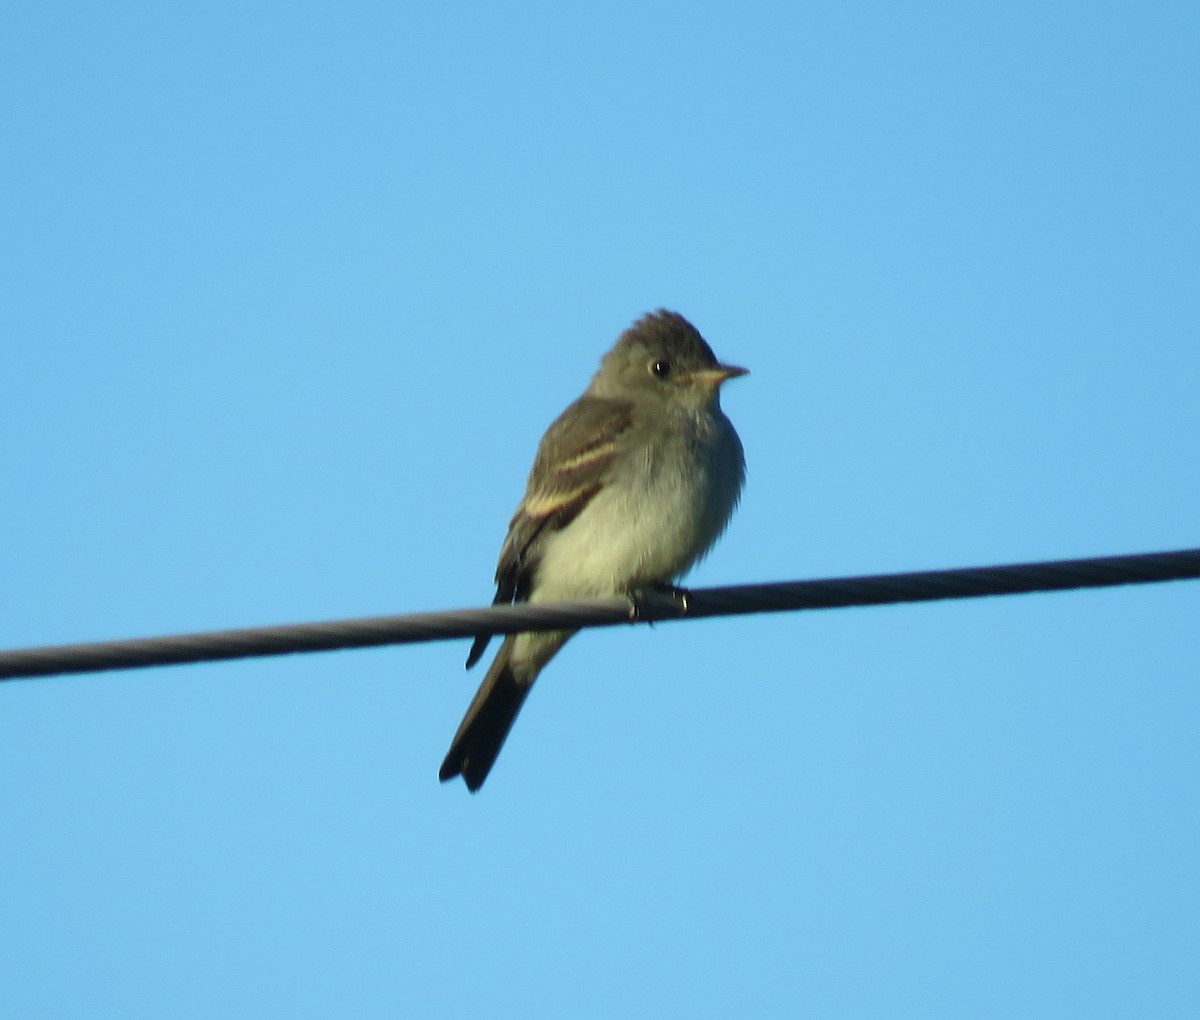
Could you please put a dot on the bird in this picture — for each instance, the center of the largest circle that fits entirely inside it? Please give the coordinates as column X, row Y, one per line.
column 631, row 485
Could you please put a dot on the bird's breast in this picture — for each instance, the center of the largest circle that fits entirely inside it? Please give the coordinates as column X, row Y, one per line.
column 665, row 503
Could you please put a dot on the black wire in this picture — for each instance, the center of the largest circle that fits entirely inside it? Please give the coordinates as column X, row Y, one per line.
column 649, row 607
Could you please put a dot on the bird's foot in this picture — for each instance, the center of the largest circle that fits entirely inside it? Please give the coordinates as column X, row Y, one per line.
column 657, row 601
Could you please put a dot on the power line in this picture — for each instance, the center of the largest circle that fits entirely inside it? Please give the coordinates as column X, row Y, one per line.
column 654, row 606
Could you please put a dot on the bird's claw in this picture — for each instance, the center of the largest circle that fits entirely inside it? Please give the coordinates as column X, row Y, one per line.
column 656, row 597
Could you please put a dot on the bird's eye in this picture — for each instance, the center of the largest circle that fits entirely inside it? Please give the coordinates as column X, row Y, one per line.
column 661, row 368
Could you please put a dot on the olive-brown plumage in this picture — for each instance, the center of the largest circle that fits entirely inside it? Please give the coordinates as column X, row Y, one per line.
column 631, row 485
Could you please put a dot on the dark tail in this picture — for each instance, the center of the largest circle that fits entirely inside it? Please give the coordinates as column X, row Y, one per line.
column 484, row 728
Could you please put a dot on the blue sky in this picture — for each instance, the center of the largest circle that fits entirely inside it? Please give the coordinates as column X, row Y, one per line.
column 291, row 293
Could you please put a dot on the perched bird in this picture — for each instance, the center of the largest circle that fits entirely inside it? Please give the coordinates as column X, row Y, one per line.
column 631, row 485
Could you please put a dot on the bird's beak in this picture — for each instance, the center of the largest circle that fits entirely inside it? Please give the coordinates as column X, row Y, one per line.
column 715, row 376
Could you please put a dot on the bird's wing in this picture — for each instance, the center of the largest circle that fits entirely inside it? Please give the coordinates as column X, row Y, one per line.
column 573, row 463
